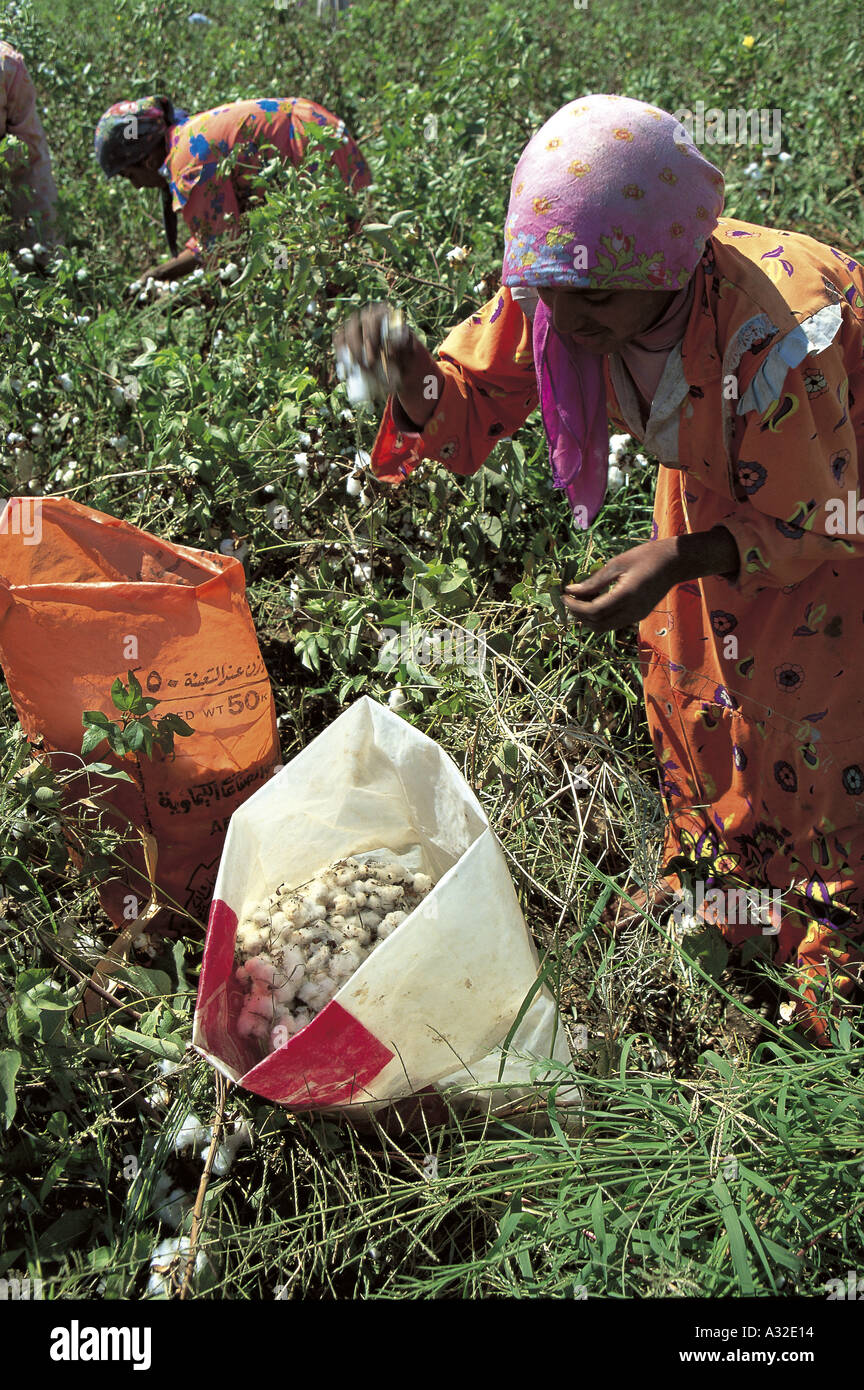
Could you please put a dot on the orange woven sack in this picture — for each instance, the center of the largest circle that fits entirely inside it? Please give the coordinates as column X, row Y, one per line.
column 84, row 598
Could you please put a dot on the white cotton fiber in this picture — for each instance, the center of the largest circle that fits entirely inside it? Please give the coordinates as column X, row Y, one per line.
column 297, row 949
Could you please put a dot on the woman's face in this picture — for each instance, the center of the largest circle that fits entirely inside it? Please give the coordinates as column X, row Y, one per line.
column 604, row 321
column 146, row 174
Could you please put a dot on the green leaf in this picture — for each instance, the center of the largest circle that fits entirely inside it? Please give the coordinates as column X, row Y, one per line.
column 135, row 737
column 152, row 983
column 71, row 1226
column 709, row 949
column 92, row 738
column 172, row 1047
column 95, row 718
column 175, row 724
column 737, row 1243
column 10, row 1061
column 109, row 772
column 120, row 695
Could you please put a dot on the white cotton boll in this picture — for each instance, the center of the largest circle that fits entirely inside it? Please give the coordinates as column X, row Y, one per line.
column 784, row 156
column 301, row 1018
column 287, row 993
column 342, row 967
column 390, row 894
column 359, row 897
column 457, row 255
column 227, row 1150
column 318, row 891
column 260, row 918
column 293, row 967
column 318, row 960
column 342, row 904
column 641, row 460
column 169, row 1202
column 26, row 257
column 363, row 932
column 396, row 700
column 261, row 1007
column 619, row 444
column 250, row 1026
column 617, row 478
column 421, row 883
column 390, row 923
column 250, row 940
column 362, row 573
column 228, row 274
column 65, row 381
column 345, row 877
column 279, row 921
column 302, row 914
column 261, row 968
column 191, row 1134
column 317, row 993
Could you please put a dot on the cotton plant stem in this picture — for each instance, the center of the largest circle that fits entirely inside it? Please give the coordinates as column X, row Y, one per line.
column 115, row 957
column 198, row 1210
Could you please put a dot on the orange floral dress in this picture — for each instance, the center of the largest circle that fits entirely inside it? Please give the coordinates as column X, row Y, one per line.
column 751, row 687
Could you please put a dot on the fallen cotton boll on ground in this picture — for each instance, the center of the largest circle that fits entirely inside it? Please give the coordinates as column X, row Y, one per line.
column 169, row 1202
column 192, row 1135
column 227, row 1150
column 167, row 1268
column 294, row 951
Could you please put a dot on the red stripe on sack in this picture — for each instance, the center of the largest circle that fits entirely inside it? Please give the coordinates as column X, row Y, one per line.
column 220, row 997
column 329, row 1062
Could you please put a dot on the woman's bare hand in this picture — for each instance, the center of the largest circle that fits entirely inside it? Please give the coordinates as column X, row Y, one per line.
column 406, row 367
column 626, row 589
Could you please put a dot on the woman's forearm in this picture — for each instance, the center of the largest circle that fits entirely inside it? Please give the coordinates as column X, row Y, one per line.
column 175, row 269
column 704, row 553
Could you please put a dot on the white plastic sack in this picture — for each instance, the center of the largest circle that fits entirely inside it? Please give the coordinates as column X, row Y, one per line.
column 431, row 1003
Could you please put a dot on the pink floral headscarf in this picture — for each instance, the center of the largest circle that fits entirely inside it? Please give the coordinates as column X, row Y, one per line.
column 609, row 194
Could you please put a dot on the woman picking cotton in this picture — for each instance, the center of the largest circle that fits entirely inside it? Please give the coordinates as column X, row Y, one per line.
column 31, row 187
column 207, row 166
column 734, row 353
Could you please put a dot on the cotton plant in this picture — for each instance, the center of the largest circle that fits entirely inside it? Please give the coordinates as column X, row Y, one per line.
column 296, row 949
column 622, row 456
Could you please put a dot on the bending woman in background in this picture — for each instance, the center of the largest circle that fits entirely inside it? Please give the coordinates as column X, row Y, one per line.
column 32, row 190
column 155, row 145
column 734, row 353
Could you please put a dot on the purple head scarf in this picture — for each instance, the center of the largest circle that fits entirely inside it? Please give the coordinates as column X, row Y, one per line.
column 609, row 194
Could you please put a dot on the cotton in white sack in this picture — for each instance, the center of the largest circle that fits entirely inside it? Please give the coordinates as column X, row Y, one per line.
column 432, row 1004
